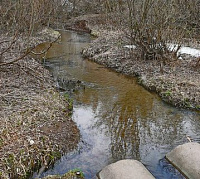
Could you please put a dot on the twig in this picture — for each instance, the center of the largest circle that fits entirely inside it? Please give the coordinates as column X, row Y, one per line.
column 17, row 59
column 44, row 51
column 5, row 41
column 30, row 69
column 11, row 44
column 28, row 52
column 189, row 139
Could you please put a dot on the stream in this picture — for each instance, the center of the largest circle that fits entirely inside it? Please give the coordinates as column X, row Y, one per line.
column 118, row 119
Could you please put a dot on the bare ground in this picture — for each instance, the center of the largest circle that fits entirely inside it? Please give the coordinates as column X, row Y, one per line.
column 176, row 82
column 35, row 127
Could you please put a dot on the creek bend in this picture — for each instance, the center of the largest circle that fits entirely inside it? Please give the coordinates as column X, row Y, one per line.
column 117, row 118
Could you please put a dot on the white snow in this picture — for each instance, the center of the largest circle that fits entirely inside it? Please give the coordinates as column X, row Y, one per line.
column 130, row 46
column 31, row 142
column 185, row 50
column 190, row 51
column 173, row 47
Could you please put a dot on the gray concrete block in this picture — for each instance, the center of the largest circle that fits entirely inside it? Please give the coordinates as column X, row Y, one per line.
column 186, row 158
column 125, row 169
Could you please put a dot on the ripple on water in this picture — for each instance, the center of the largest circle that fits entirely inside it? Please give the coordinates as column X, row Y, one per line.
column 117, row 118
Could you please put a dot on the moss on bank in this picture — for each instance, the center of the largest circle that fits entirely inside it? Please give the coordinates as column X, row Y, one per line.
column 72, row 174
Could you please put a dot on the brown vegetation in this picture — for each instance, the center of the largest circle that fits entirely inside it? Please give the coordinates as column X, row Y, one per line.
column 177, row 83
column 151, row 25
column 35, row 124
column 32, row 112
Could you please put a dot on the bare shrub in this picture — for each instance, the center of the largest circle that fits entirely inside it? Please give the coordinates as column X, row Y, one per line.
column 188, row 13
column 27, row 15
column 150, row 27
column 20, row 20
column 154, row 24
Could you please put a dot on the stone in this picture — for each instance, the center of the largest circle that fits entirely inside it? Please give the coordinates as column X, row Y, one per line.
column 186, row 158
column 125, row 169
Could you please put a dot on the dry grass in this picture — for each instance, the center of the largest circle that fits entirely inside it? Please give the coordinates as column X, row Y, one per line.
column 177, row 82
column 35, row 127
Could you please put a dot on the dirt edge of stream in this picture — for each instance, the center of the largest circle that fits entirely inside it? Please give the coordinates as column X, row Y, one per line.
column 177, row 83
column 36, row 125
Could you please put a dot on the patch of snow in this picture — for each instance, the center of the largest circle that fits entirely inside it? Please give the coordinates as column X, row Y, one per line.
column 190, row 51
column 130, row 46
column 31, row 142
column 184, row 50
column 173, row 47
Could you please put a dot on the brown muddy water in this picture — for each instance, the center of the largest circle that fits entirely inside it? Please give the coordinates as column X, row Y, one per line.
column 117, row 118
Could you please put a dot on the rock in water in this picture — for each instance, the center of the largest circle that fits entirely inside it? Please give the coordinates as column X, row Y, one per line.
column 186, row 158
column 125, row 169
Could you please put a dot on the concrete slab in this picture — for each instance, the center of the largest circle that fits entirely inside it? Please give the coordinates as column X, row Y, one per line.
column 125, row 169
column 186, row 158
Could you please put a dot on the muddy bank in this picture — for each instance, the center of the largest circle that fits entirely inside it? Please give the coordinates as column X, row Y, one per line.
column 36, row 127
column 176, row 82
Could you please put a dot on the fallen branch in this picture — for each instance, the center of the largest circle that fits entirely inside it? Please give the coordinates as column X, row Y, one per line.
column 28, row 52
column 44, row 51
column 11, row 44
column 29, row 72
column 17, row 59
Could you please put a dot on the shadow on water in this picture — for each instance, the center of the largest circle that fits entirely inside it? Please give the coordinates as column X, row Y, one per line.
column 117, row 118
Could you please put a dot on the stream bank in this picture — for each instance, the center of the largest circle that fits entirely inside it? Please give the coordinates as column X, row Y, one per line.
column 36, row 126
column 128, row 124
column 117, row 118
column 177, row 83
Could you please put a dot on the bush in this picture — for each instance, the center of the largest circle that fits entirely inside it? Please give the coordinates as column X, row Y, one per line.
column 153, row 24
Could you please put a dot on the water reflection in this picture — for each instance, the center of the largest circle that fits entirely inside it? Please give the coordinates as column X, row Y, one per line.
column 117, row 118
